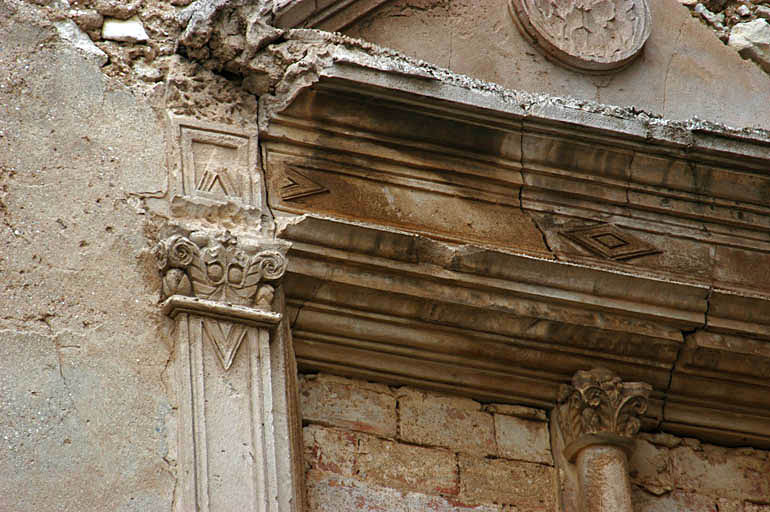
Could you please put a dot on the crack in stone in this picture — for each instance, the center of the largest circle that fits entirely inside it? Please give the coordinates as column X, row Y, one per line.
column 686, row 333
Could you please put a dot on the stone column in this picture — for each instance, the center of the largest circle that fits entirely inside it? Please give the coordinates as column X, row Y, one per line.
column 598, row 416
column 237, row 436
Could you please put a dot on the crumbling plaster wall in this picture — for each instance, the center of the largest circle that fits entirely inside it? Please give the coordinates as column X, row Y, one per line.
column 87, row 412
column 370, row 447
column 86, row 422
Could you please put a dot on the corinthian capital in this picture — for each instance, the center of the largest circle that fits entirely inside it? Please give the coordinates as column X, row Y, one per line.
column 216, row 266
column 599, row 408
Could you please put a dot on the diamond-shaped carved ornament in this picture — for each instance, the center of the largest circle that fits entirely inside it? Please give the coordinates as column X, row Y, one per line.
column 610, row 242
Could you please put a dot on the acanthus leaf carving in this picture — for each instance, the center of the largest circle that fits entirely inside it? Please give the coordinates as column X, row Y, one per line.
column 215, row 266
column 599, row 402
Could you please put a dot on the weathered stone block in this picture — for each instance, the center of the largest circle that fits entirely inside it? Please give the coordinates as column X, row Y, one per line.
column 528, row 486
column 756, row 507
column 684, row 502
column 379, row 461
column 721, row 472
column 452, row 422
column 348, row 403
column 523, row 439
column 650, row 468
column 332, row 493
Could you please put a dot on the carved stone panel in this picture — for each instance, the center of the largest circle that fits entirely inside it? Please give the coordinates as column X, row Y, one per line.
column 610, row 242
column 590, row 35
column 216, row 162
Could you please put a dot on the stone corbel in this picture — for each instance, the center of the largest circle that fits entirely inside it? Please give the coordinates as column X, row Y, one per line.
column 237, row 429
column 597, row 418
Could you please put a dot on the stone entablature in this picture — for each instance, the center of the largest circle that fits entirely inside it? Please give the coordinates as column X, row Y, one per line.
column 369, row 157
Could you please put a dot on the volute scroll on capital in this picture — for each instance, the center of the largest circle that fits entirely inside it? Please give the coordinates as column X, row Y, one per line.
column 219, row 267
column 599, row 408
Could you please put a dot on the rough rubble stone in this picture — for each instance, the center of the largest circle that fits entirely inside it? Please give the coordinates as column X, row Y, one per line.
column 71, row 33
column 121, row 9
column 130, row 30
column 87, row 19
column 752, row 40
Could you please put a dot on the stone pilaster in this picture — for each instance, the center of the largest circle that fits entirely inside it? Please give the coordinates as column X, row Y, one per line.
column 237, row 438
column 597, row 418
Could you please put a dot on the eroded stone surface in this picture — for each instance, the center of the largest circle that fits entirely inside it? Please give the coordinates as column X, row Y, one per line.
column 349, row 404
column 523, row 439
column 455, row 423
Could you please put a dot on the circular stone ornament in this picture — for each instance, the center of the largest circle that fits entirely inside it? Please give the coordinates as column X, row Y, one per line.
column 593, row 36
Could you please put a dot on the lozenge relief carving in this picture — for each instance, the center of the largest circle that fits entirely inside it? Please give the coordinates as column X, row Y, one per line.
column 599, row 403
column 590, row 35
column 295, row 185
column 610, row 242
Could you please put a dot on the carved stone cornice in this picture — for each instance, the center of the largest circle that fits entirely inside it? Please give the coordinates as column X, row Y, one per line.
column 216, row 267
column 599, row 408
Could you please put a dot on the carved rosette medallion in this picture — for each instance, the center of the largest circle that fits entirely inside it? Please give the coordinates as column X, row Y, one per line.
column 588, row 35
column 599, row 408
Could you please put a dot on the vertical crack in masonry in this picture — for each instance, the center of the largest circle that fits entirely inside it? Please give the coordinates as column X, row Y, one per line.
column 686, row 333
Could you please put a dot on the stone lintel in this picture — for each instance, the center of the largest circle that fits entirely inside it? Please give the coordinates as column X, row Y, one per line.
column 384, row 304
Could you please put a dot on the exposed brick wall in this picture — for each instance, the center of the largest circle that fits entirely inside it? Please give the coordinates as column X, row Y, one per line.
column 369, row 447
